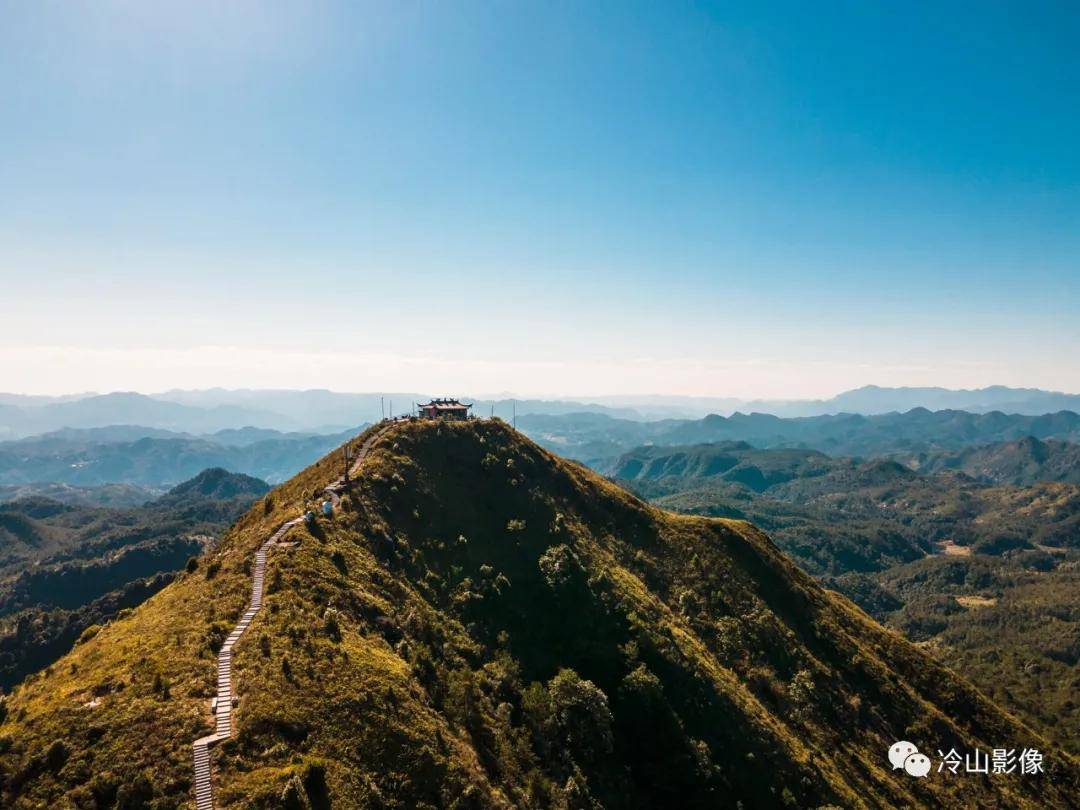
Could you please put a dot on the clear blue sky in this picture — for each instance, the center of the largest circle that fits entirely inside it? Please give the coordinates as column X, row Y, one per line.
column 749, row 199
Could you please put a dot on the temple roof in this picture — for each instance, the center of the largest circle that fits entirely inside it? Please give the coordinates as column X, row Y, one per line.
column 445, row 404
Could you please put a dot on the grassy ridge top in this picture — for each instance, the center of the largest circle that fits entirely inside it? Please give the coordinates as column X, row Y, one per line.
column 483, row 624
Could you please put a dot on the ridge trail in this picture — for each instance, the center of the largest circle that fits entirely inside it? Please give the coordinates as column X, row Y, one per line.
column 223, row 719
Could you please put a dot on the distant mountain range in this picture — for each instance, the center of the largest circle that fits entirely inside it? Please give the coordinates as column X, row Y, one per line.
column 214, row 410
column 94, row 457
column 867, row 400
column 805, row 475
column 872, row 399
column 156, row 459
column 730, row 462
column 858, row 435
column 321, row 411
column 928, row 506
column 36, row 417
column 597, row 439
column 114, row 495
column 1021, row 462
column 67, row 564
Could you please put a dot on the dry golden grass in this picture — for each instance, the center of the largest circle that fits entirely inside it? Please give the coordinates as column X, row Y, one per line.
column 976, row 601
column 951, row 549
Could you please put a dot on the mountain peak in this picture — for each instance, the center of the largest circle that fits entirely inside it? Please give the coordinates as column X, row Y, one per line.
column 482, row 624
column 219, row 484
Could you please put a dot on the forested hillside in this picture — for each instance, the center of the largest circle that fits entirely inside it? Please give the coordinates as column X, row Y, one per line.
column 986, row 576
column 66, row 568
column 484, row 625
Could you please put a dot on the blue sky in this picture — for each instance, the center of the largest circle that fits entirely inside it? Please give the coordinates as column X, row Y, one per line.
column 745, row 199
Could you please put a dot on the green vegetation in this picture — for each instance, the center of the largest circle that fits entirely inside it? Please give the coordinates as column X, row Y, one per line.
column 598, row 439
column 65, row 568
column 517, row 633
column 79, row 464
column 1011, row 625
column 986, row 578
column 1024, row 462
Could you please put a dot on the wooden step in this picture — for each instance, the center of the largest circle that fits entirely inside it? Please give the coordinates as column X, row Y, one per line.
column 204, row 798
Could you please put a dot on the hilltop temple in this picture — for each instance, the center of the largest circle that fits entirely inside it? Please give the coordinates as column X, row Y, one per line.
column 447, row 409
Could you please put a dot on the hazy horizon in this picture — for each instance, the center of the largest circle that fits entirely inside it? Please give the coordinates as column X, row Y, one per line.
column 599, row 398
column 62, row 371
column 742, row 202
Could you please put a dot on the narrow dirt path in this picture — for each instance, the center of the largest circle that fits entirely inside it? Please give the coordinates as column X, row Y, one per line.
column 223, row 719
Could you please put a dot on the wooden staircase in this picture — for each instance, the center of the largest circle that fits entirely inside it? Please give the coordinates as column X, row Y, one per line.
column 223, row 719
column 204, row 799
column 223, row 725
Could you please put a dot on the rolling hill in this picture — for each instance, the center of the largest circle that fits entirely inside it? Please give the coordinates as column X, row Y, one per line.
column 146, row 455
column 873, row 399
column 110, row 456
column 214, row 410
column 129, row 408
column 598, row 439
column 321, row 410
column 731, row 462
column 65, row 566
column 985, row 575
column 484, row 625
column 1022, row 462
column 98, row 495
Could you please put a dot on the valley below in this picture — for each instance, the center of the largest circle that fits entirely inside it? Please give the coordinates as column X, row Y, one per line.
column 69, row 566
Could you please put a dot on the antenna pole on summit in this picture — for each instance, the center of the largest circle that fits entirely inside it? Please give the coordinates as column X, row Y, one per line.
column 382, row 407
column 514, row 403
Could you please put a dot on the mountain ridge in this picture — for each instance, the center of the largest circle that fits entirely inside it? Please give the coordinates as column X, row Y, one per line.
column 1025, row 461
column 69, row 565
column 411, row 615
column 156, row 461
column 596, row 439
column 206, row 410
